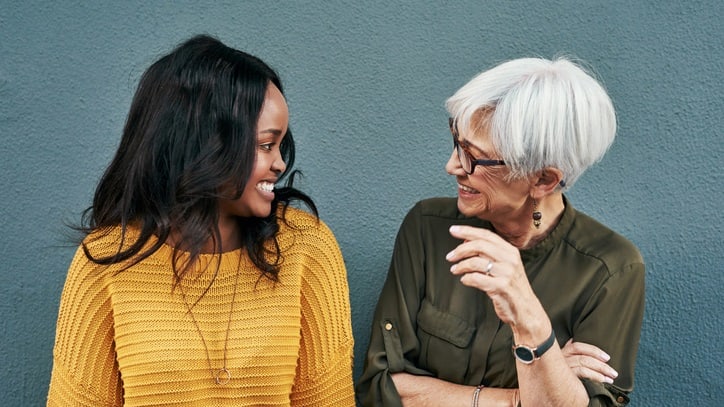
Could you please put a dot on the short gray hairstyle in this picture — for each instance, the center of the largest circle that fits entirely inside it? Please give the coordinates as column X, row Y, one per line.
column 539, row 113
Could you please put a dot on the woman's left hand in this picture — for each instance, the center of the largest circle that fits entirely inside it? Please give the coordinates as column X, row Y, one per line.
column 489, row 263
column 588, row 361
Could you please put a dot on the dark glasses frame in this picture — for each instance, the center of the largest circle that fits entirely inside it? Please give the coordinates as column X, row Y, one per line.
column 467, row 161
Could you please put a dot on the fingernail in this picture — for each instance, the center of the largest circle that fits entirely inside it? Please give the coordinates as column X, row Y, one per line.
column 454, row 266
column 605, row 357
column 614, row 373
column 608, row 380
column 450, row 255
column 454, row 228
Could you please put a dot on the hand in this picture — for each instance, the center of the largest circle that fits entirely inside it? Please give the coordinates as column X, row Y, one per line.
column 491, row 264
column 588, row 361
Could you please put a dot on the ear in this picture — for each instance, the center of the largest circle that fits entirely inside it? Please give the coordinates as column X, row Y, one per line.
column 545, row 182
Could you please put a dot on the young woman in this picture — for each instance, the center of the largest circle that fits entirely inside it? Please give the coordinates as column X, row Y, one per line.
column 197, row 283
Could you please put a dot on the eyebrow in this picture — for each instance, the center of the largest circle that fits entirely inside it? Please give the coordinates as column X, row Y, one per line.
column 464, row 142
column 468, row 144
column 275, row 132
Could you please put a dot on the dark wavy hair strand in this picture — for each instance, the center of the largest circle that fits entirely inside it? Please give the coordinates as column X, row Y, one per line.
column 190, row 133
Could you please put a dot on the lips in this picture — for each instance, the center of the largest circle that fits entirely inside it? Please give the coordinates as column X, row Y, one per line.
column 467, row 189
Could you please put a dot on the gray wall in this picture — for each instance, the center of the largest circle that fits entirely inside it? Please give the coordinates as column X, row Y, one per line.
column 366, row 82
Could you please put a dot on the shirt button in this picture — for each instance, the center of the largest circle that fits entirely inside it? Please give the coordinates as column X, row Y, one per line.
column 620, row 399
column 388, row 326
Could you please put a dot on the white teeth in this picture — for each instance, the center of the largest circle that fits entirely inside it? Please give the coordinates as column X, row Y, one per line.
column 265, row 186
column 466, row 189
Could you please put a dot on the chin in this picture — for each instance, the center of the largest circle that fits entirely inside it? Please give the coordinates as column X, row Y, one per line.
column 470, row 211
column 464, row 209
column 263, row 212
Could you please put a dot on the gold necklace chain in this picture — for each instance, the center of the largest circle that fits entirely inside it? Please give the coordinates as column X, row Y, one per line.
column 221, row 376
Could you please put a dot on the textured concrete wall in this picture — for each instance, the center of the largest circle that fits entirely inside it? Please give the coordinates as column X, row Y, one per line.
column 366, row 82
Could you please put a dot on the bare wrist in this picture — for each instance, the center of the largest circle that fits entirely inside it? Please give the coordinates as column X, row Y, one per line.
column 534, row 332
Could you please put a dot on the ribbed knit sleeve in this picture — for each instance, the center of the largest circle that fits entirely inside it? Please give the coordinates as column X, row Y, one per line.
column 324, row 370
column 85, row 372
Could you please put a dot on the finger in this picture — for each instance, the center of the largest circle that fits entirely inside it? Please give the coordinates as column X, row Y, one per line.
column 586, row 349
column 590, row 374
column 595, row 365
column 469, row 249
column 474, row 264
column 481, row 249
column 477, row 280
column 482, row 242
column 475, row 240
column 568, row 349
column 465, row 232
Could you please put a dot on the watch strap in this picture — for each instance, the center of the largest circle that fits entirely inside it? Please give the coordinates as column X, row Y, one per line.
column 539, row 350
column 543, row 347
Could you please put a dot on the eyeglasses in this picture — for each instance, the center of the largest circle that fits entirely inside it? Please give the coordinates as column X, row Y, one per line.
column 467, row 161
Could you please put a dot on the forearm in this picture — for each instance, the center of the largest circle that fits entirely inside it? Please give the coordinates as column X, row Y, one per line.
column 424, row 391
column 550, row 384
column 548, row 381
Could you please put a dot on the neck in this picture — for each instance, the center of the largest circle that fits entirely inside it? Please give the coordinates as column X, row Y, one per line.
column 520, row 231
column 229, row 231
column 229, row 234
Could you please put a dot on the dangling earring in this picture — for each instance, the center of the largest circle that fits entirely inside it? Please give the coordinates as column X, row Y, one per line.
column 537, row 216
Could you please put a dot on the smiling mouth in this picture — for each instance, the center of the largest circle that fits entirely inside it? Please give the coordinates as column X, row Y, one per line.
column 467, row 189
column 265, row 186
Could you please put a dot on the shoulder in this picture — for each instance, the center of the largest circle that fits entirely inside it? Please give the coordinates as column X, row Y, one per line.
column 436, row 213
column 299, row 221
column 297, row 218
column 592, row 238
column 109, row 241
column 442, row 207
column 298, row 227
column 432, row 210
column 86, row 277
column 309, row 247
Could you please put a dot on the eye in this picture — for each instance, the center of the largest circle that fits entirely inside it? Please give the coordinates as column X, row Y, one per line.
column 266, row 146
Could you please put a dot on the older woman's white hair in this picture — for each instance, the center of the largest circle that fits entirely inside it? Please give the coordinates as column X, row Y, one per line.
column 539, row 113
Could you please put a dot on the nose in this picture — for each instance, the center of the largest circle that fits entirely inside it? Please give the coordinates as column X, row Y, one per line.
column 453, row 166
column 278, row 165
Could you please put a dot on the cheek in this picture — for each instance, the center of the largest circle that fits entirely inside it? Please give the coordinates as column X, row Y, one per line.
column 492, row 188
column 485, row 181
column 250, row 188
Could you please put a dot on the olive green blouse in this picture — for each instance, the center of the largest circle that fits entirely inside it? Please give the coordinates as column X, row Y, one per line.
column 589, row 279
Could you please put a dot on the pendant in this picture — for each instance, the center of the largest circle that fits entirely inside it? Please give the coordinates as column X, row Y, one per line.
column 222, row 376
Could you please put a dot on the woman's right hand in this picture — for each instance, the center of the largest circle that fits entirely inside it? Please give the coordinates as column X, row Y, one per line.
column 588, row 362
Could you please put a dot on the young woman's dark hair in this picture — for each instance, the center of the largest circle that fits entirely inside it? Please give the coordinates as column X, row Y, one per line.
column 190, row 133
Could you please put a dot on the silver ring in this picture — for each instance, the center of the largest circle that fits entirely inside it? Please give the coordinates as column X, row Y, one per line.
column 488, row 267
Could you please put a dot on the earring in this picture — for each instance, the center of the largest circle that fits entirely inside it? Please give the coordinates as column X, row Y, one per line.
column 537, row 216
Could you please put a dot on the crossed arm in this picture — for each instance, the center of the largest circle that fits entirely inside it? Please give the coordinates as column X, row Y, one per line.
column 584, row 360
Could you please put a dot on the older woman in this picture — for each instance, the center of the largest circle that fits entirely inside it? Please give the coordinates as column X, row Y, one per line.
column 482, row 290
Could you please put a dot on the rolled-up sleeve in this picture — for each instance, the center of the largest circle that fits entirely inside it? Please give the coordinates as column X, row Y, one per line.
column 393, row 343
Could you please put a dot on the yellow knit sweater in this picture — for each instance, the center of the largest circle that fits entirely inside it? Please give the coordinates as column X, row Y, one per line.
column 125, row 338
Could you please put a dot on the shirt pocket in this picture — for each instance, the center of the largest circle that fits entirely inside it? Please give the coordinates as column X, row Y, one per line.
column 444, row 342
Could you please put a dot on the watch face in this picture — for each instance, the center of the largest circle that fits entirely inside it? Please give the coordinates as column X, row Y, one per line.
column 528, row 355
column 524, row 354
